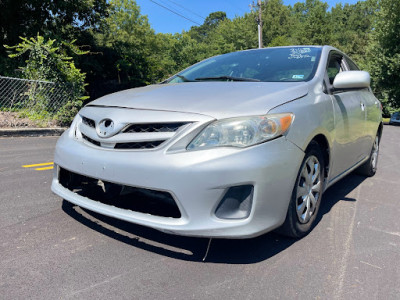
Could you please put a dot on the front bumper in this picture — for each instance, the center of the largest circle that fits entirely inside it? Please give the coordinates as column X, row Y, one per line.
column 197, row 180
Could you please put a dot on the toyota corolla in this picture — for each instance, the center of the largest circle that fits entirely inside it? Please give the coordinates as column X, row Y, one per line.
column 235, row 146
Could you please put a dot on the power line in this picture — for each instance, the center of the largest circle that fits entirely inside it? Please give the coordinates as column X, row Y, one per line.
column 179, row 8
column 174, row 12
column 177, row 4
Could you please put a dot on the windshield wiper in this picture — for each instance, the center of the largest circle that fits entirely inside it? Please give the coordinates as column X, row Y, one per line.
column 226, row 78
column 185, row 79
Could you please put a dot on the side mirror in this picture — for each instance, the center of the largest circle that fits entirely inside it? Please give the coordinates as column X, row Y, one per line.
column 352, row 80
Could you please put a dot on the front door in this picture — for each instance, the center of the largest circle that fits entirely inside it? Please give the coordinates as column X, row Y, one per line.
column 350, row 118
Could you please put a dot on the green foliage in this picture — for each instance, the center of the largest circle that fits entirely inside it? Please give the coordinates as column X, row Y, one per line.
column 281, row 40
column 357, row 20
column 129, row 34
column 237, row 34
column 277, row 21
column 201, row 33
column 61, row 20
column 47, row 62
column 384, row 52
column 311, row 23
column 67, row 113
column 126, row 52
column 40, row 118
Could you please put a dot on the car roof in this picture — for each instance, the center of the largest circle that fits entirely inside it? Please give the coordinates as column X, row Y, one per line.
column 325, row 48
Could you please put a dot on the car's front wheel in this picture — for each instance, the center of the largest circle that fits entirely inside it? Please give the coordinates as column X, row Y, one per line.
column 306, row 196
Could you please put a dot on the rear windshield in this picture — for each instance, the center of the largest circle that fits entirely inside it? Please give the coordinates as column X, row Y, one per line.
column 268, row 65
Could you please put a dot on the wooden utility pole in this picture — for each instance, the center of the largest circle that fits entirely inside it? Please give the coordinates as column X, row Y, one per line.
column 259, row 21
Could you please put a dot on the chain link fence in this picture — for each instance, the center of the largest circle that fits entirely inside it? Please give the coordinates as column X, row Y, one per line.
column 41, row 97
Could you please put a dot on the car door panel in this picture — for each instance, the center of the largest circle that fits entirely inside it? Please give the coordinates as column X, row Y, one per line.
column 349, row 146
column 372, row 109
column 373, row 115
column 349, row 142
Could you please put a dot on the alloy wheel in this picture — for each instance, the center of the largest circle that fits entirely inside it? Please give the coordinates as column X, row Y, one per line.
column 374, row 154
column 308, row 189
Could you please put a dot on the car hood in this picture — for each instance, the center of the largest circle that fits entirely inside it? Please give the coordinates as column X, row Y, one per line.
column 216, row 99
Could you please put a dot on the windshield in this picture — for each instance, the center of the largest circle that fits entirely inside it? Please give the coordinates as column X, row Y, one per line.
column 267, row 65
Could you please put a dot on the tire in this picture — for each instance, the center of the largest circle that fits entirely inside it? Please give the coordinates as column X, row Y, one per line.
column 302, row 211
column 370, row 166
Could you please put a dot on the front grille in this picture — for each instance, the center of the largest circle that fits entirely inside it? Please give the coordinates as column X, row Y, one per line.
column 136, row 199
column 155, row 127
column 88, row 139
column 131, row 137
column 138, row 145
column 88, row 122
column 131, row 145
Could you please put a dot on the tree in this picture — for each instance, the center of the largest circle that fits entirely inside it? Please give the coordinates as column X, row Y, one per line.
column 384, row 52
column 311, row 23
column 237, row 34
column 277, row 21
column 125, row 52
column 60, row 20
column 201, row 33
column 47, row 60
column 353, row 25
column 127, row 42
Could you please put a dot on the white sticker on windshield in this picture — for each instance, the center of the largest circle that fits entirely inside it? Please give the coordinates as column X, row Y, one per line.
column 298, row 53
column 297, row 76
column 312, row 58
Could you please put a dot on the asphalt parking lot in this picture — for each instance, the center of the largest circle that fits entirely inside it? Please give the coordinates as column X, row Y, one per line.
column 50, row 250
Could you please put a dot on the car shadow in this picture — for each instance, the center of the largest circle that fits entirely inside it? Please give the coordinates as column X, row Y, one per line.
column 239, row 251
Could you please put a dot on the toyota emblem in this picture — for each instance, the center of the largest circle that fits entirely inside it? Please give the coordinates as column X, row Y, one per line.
column 105, row 128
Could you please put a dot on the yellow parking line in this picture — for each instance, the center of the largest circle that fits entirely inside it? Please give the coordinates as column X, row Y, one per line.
column 42, row 169
column 38, row 165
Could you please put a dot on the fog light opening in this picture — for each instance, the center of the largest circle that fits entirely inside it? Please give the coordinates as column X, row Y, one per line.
column 236, row 203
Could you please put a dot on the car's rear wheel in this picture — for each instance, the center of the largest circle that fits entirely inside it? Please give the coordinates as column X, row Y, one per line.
column 370, row 166
column 306, row 196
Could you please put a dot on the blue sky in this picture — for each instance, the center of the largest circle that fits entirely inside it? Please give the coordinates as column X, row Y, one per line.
column 165, row 21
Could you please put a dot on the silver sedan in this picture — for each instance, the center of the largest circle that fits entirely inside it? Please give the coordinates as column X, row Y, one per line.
column 235, row 146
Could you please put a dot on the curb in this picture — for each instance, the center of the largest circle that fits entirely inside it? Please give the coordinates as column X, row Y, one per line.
column 20, row 132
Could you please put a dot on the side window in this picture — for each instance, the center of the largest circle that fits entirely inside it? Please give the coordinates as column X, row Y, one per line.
column 352, row 65
column 335, row 66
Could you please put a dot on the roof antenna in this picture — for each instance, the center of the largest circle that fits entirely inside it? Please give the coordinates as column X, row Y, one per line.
column 208, row 248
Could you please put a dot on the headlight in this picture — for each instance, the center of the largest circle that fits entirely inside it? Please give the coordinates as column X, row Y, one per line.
column 242, row 132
